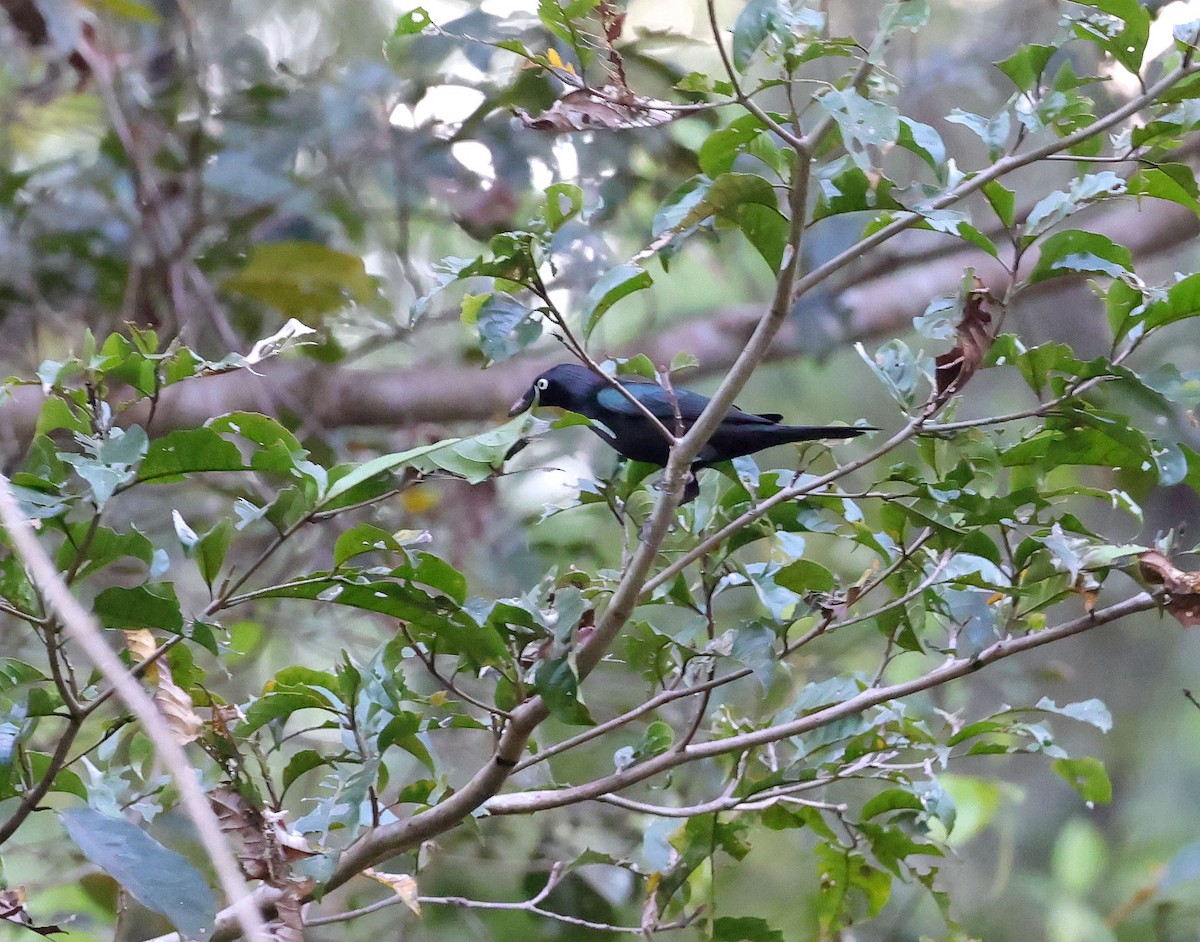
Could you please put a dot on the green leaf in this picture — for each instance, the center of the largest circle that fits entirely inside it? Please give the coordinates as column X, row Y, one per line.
column 145, row 606
column 1053, row 208
column 474, row 459
column 1091, row 711
column 658, row 738
column 563, row 202
column 558, row 684
column 758, row 20
column 766, row 229
column 210, row 551
column 1002, row 201
column 1026, row 65
column 892, row 799
column 744, row 136
column 412, row 22
column 845, row 188
column 1075, row 251
column 1128, row 45
column 155, row 876
column 992, row 131
column 279, row 705
column 435, row 617
column 111, row 463
column 896, row 367
column 106, row 546
column 363, row 538
column 749, row 202
column 956, row 223
column 1087, row 776
column 303, row 278
column 58, row 413
column 1167, row 181
column 614, row 285
column 744, row 929
column 188, row 451
column 1083, row 438
column 803, row 575
column 925, row 142
column 303, row 761
column 863, row 123
column 278, row 450
column 13, row 673
column 561, row 18
column 1182, row 302
column 66, row 782
column 911, row 15
column 506, row 326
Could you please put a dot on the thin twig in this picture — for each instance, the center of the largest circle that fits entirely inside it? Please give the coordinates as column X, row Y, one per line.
column 448, row 685
column 527, row 906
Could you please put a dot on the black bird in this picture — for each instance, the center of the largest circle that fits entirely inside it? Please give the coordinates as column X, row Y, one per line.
column 624, row 426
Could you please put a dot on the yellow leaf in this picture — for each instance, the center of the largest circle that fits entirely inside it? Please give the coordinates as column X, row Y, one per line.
column 556, row 60
column 420, row 500
column 401, row 884
column 141, row 645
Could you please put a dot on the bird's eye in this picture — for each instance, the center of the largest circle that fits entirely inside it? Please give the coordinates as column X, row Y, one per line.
column 542, row 383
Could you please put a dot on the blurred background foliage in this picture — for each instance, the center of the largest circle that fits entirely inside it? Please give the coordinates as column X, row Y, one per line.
column 209, row 170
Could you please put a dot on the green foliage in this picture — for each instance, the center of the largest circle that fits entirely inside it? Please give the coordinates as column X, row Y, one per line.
column 360, row 636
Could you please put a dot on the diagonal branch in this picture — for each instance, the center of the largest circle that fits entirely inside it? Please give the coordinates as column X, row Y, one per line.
column 954, row 668
column 77, row 621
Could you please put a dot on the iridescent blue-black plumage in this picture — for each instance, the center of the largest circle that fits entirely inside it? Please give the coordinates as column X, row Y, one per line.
column 620, row 423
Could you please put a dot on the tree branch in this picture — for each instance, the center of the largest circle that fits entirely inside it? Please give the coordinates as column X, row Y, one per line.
column 952, row 669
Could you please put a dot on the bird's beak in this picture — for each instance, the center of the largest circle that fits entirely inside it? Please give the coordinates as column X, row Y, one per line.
column 522, row 404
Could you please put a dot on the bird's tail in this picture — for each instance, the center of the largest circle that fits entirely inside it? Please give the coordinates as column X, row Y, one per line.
column 812, row 433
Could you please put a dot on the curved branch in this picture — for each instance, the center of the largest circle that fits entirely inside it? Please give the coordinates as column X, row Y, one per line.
column 952, row 669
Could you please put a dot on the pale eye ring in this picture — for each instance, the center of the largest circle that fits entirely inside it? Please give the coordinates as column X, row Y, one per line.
column 542, row 384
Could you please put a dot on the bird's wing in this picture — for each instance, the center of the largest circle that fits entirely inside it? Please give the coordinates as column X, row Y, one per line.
column 662, row 404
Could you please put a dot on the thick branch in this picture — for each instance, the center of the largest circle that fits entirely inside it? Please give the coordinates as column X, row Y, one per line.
column 954, row 668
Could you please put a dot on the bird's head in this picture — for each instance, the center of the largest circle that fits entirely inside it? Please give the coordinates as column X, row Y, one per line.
column 562, row 386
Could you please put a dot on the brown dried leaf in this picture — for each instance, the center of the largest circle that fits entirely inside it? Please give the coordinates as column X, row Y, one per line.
column 612, row 22
column 175, row 705
column 12, row 909
column 246, row 826
column 403, row 885
column 288, row 925
column 265, row 845
column 223, row 716
column 291, row 845
column 610, row 108
column 1183, row 586
column 959, row 364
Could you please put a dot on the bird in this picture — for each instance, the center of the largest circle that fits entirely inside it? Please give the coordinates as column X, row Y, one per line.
column 626, row 428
